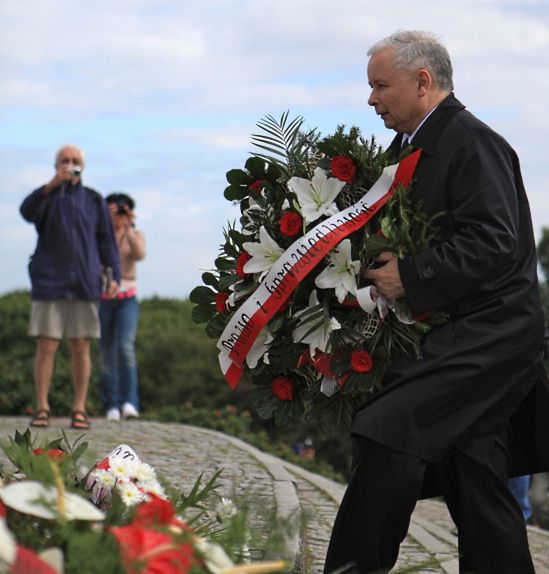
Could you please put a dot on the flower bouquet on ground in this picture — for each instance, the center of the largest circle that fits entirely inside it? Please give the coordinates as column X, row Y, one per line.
column 59, row 516
column 287, row 300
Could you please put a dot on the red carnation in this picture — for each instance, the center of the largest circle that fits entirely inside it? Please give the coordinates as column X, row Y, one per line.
column 343, row 168
column 290, row 223
column 283, row 388
column 243, row 258
column 361, row 361
column 257, row 186
column 220, row 302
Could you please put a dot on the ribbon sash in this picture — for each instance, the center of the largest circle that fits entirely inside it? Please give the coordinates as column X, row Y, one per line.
column 297, row 262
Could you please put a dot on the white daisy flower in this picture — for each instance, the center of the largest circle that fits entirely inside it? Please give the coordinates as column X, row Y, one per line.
column 129, row 493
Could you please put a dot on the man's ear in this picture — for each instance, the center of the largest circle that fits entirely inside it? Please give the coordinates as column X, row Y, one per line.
column 425, row 81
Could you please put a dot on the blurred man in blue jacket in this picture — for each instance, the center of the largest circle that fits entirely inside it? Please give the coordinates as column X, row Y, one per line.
column 75, row 244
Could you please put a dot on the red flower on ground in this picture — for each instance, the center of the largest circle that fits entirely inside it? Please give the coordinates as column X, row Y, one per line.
column 283, row 388
column 220, row 301
column 27, row 561
column 103, row 464
column 361, row 361
column 52, row 452
column 242, row 259
column 290, row 223
column 257, row 186
column 343, row 168
column 158, row 551
column 155, row 511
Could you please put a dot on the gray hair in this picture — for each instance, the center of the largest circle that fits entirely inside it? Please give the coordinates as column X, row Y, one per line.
column 68, row 146
column 415, row 49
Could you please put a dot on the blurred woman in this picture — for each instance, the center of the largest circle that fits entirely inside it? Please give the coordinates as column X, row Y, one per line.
column 118, row 385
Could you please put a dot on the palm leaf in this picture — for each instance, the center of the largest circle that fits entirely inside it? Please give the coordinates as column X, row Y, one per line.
column 286, row 145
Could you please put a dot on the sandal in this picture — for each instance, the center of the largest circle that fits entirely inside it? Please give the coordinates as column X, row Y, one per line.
column 40, row 419
column 80, row 420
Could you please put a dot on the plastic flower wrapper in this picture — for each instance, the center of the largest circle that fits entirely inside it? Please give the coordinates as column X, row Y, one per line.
column 315, row 212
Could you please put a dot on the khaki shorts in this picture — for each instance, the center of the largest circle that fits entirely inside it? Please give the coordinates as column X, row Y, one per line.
column 72, row 319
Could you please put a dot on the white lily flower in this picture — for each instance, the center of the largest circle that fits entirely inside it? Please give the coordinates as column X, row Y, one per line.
column 259, row 348
column 264, row 254
column 316, row 197
column 319, row 338
column 340, row 272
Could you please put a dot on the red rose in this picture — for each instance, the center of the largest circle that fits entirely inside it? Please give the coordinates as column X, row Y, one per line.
column 322, row 363
column 283, row 388
column 243, row 258
column 361, row 361
column 343, row 168
column 257, row 186
column 220, row 300
column 290, row 223
column 52, row 452
column 148, row 551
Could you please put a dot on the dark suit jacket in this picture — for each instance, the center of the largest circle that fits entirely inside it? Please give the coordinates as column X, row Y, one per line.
column 484, row 366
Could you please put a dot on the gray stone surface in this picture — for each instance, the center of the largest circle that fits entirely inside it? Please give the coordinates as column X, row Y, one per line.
column 181, row 453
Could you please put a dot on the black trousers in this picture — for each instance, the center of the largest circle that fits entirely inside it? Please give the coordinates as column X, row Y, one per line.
column 385, row 484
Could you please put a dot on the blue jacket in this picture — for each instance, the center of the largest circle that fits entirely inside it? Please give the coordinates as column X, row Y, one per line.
column 75, row 238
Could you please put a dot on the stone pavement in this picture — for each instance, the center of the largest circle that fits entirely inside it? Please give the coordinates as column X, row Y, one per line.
column 180, row 453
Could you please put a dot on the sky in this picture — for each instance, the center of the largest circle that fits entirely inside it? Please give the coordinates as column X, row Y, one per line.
column 163, row 96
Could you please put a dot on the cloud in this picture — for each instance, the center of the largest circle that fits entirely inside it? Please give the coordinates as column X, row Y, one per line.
column 163, row 97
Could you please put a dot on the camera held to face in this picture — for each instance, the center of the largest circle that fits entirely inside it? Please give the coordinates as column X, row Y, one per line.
column 75, row 170
column 121, row 208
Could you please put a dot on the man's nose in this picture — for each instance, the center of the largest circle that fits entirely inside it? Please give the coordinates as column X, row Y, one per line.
column 372, row 100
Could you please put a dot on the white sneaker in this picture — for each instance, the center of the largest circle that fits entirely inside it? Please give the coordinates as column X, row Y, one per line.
column 129, row 411
column 113, row 415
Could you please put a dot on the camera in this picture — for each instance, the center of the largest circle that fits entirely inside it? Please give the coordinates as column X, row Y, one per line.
column 121, row 208
column 75, row 170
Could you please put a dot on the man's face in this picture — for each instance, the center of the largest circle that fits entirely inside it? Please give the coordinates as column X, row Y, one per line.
column 68, row 158
column 394, row 94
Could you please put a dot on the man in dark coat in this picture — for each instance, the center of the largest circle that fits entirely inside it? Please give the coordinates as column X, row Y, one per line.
column 475, row 408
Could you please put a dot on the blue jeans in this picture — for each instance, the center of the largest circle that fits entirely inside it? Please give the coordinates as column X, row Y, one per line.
column 519, row 486
column 117, row 363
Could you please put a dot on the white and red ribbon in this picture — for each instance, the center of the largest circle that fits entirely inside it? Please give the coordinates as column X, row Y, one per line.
column 297, row 262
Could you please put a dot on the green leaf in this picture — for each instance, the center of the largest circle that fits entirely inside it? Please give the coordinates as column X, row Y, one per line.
column 256, row 166
column 210, row 279
column 236, row 193
column 202, row 294
column 227, row 280
column 224, row 264
column 238, row 177
column 202, row 313
column 215, row 326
